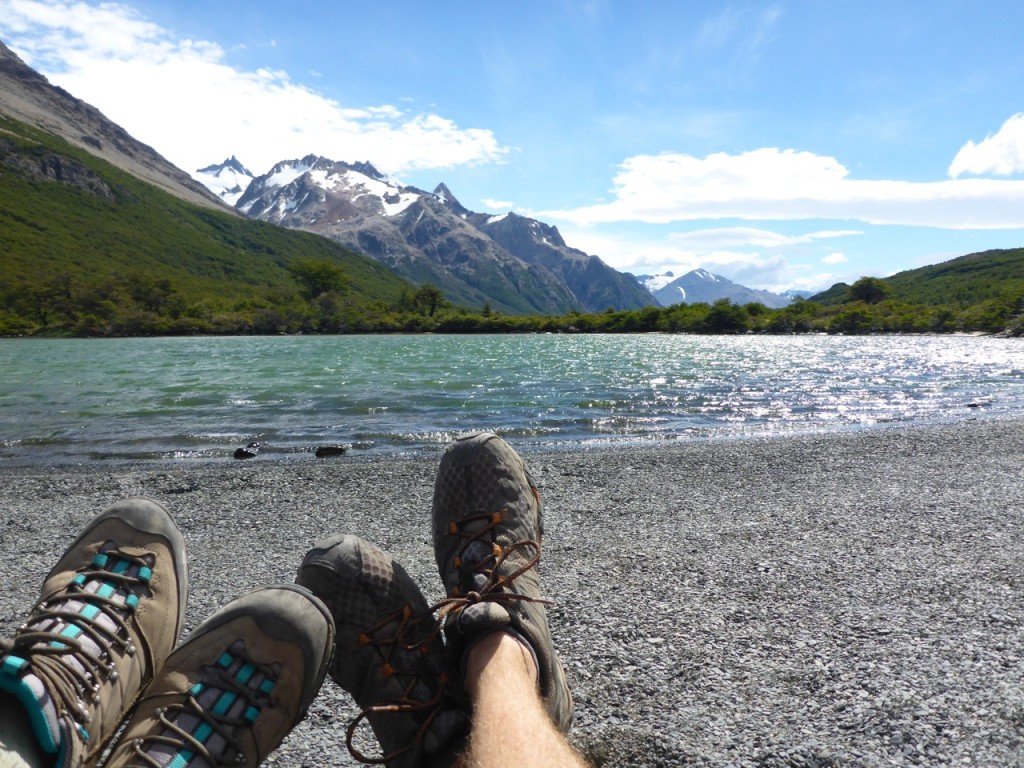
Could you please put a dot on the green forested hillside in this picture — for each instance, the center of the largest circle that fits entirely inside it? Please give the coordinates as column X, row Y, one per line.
column 964, row 281
column 85, row 247
column 960, row 282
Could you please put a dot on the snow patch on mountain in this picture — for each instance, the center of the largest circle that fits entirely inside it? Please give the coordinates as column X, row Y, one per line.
column 516, row 263
column 297, row 186
column 654, row 283
column 393, row 199
column 700, row 285
column 285, row 173
column 703, row 274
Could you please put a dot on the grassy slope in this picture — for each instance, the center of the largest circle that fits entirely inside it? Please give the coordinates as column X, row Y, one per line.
column 962, row 281
column 965, row 280
column 49, row 228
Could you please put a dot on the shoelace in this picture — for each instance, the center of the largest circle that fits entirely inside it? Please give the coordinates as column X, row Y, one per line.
column 402, row 639
column 496, row 588
column 213, row 714
column 53, row 643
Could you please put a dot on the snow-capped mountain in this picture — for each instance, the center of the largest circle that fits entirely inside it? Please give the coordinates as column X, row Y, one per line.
column 511, row 262
column 794, row 294
column 699, row 285
column 227, row 180
column 315, row 192
column 655, row 283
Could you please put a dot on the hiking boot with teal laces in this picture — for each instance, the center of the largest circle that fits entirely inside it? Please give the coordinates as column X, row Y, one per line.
column 487, row 529
column 110, row 612
column 389, row 654
column 236, row 687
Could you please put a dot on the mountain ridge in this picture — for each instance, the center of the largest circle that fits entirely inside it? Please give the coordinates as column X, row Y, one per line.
column 963, row 280
column 92, row 245
column 507, row 261
column 28, row 97
column 701, row 285
column 347, row 212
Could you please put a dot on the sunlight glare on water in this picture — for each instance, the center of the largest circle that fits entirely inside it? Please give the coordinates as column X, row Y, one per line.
column 79, row 400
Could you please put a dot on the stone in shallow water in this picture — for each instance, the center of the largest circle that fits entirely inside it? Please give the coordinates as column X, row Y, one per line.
column 330, row 450
column 249, row 451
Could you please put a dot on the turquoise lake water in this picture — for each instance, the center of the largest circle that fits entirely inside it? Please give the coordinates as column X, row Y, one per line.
column 81, row 400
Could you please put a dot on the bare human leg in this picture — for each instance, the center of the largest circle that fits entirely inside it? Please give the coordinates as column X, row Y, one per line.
column 511, row 726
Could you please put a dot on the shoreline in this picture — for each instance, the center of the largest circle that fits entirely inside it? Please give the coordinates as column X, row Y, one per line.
column 271, row 455
column 827, row 598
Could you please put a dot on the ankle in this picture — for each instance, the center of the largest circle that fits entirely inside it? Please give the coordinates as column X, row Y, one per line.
column 499, row 653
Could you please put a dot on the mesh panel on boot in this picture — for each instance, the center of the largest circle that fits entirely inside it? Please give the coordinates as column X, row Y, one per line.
column 214, row 712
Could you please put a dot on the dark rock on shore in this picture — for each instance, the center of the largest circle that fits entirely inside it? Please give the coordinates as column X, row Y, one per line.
column 250, row 451
column 326, row 451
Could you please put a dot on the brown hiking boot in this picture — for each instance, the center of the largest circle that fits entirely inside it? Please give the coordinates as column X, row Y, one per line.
column 236, row 687
column 389, row 654
column 487, row 543
column 110, row 612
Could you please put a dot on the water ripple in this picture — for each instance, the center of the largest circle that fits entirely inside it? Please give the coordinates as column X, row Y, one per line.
column 82, row 400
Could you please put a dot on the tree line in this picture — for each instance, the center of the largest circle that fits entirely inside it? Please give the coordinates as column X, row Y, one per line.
column 321, row 300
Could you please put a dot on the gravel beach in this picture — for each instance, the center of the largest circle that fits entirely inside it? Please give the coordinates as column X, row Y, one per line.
column 841, row 599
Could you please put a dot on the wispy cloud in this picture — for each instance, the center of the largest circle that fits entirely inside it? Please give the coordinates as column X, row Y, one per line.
column 590, row 11
column 736, row 27
column 771, row 184
column 1001, row 154
column 755, row 257
column 498, row 205
column 186, row 99
column 741, row 34
column 738, row 237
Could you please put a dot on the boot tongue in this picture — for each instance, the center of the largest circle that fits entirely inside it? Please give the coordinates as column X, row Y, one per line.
column 485, row 616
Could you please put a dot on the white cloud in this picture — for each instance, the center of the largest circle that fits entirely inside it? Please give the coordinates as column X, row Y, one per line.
column 1001, row 154
column 771, row 184
column 646, row 254
column 835, row 258
column 726, row 237
column 184, row 98
column 497, row 205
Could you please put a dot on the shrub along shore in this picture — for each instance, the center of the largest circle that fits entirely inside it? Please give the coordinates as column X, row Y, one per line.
column 124, row 310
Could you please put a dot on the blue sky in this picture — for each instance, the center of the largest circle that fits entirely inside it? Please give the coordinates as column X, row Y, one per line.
column 780, row 144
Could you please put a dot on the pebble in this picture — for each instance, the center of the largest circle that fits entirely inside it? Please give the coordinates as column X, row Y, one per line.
column 843, row 599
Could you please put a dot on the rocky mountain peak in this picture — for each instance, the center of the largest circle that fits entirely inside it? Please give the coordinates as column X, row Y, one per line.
column 445, row 196
column 318, row 193
column 519, row 232
column 234, row 164
column 514, row 263
column 700, row 285
column 228, row 180
column 368, row 169
column 231, row 164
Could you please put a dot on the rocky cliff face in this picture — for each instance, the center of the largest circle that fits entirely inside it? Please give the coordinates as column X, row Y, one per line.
column 27, row 96
column 511, row 262
column 594, row 283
